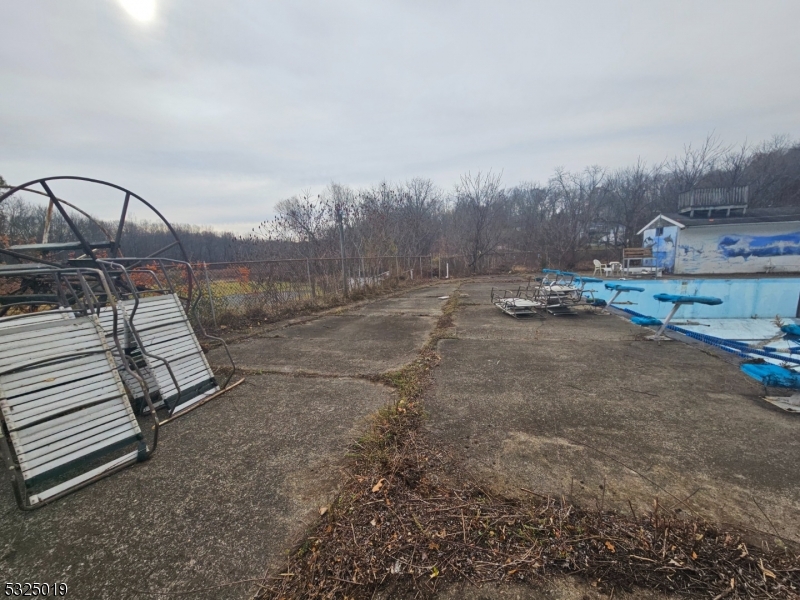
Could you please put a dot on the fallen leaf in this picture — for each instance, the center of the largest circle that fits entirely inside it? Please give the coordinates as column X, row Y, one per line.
column 377, row 487
column 611, row 547
column 374, row 522
column 323, row 510
column 764, row 570
column 434, row 572
column 675, row 563
column 694, row 555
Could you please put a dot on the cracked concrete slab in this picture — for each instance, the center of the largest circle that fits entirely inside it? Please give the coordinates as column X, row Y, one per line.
column 566, row 405
column 426, row 301
column 364, row 343
column 228, row 487
column 343, row 345
column 232, row 484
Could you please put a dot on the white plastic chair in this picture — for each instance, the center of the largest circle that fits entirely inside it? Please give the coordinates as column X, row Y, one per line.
column 599, row 268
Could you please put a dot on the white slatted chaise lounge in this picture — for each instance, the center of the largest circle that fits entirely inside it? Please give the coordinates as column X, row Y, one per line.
column 161, row 328
column 63, row 405
column 164, row 331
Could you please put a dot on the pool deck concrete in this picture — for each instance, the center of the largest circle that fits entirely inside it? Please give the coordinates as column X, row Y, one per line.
column 585, row 407
column 234, row 483
column 561, row 405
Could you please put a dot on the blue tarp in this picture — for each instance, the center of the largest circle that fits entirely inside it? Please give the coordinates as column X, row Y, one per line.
column 791, row 329
column 772, row 375
column 621, row 287
column 646, row 321
column 679, row 299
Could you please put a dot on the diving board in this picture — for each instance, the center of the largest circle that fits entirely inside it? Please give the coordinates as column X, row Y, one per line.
column 677, row 301
column 620, row 288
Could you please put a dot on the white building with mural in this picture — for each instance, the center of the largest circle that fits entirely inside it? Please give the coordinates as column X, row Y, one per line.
column 716, row 233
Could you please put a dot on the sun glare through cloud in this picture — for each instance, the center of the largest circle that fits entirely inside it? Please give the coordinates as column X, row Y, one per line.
column 141, row 10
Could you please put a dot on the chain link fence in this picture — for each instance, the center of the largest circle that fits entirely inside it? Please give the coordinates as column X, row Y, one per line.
column 237, row 293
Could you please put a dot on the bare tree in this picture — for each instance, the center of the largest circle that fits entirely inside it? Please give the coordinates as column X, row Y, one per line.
column 304, row 221
column 773, row 173
column 479, row 216
column 573, row 201
column 688, row 170
column 629, row 200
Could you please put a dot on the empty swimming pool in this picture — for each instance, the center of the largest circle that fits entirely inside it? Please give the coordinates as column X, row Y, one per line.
column 747, row 323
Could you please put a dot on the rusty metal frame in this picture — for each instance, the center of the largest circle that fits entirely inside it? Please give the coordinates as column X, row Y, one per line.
column 59, row 205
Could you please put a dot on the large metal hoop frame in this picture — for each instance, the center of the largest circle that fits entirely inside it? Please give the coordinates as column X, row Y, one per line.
column 114, row 245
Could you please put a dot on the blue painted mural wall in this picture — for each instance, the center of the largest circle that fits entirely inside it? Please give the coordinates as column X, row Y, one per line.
column 752, row 248
column 663, row 246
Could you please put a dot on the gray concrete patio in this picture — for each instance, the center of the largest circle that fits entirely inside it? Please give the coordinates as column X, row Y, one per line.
column 569, row 405
column 371, row 339
column 232, row 484
column 561, row 405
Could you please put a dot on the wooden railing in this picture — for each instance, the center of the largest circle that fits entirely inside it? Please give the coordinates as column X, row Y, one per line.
column 637, row 253
column 713, row 197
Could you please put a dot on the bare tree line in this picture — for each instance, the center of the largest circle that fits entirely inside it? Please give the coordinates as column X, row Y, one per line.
column 555, row 222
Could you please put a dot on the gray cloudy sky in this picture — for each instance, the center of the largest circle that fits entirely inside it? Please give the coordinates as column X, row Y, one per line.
column 215, row 110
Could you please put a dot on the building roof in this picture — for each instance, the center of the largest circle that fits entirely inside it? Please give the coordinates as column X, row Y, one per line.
column 752, row 215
